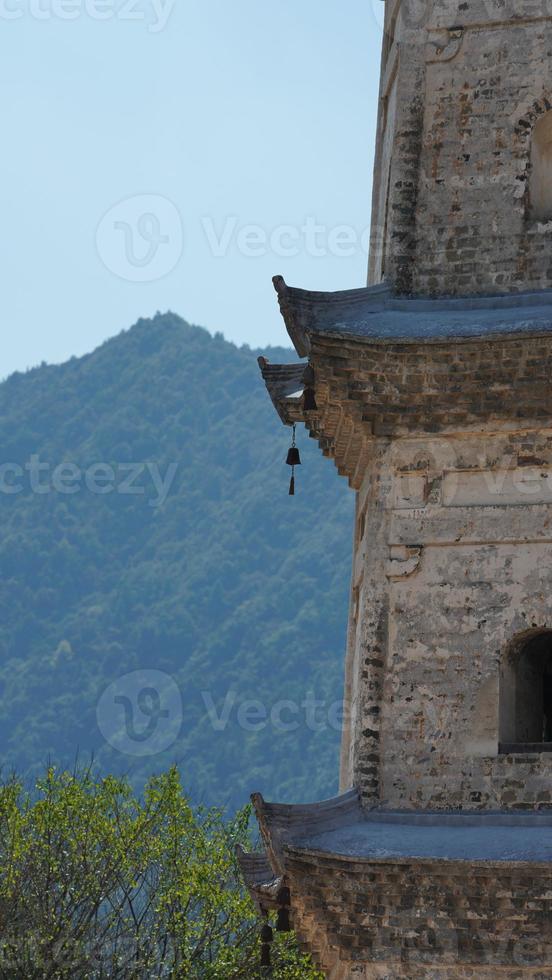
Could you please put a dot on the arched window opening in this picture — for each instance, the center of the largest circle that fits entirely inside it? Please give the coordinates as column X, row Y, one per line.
column 526, row 696
column 541, row 169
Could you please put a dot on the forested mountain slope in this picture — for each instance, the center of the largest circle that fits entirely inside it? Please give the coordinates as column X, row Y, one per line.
column 167, row 545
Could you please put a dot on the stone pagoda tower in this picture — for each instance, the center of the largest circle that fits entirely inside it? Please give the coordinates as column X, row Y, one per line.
column 432, row 389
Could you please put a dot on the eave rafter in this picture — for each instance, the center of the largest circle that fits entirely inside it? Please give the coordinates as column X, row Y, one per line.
column 336, row 424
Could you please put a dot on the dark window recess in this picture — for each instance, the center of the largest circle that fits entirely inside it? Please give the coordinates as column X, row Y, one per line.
column 526, row 696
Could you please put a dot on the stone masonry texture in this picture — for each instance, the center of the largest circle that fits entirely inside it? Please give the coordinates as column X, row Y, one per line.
column 426, row 920
column 463, row 83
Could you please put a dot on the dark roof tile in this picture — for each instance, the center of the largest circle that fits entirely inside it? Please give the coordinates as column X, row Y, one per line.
column 376, row 314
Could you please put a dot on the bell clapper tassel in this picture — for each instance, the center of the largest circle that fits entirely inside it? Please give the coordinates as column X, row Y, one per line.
column 293, row 460
column 266, row 939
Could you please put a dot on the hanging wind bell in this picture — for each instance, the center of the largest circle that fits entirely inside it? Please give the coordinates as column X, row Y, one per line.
column 293, row 460
column 309, row 397
column 284, row 904
column 309, row 400
column 267, row 937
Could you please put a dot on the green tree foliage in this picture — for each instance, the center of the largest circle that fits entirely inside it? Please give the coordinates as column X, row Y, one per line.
column 233, row 589
column 96, row 883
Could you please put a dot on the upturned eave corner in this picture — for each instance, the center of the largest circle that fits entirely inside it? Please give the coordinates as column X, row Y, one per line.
column 286, row 385
column 259, row 879
column 285, row 824
column 294, row 321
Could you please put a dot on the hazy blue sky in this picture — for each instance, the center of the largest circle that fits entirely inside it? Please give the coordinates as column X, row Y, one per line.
column 154, row 157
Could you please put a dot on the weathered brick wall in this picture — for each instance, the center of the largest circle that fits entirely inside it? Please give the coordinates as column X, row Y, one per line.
column 451, row 622
column 450, row 446
column 432, row 919
column 398, row 388
column 469, row 79
column 453, row 561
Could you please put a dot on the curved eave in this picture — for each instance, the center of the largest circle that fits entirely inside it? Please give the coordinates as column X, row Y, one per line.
column 375, row 316
column 303, row 309
column 341, row 830
column 282, row 824
column 286, row 384
column 261, row 882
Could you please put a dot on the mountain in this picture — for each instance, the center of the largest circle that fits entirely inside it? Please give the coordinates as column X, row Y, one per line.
column 162, row 598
